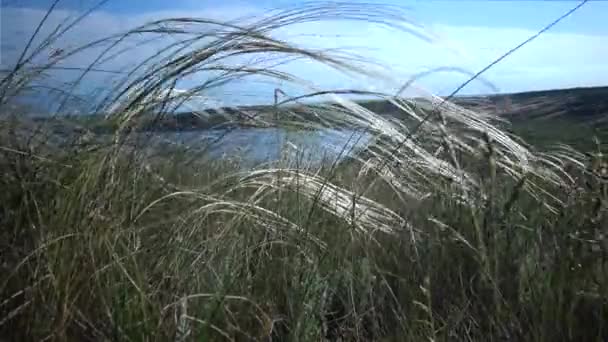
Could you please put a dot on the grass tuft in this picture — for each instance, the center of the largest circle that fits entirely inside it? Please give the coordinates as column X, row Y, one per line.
column 444, row 226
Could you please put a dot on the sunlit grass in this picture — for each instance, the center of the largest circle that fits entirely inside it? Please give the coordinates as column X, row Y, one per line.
column 445, row 227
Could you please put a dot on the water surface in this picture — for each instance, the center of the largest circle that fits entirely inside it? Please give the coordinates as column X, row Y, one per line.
column 268, row 144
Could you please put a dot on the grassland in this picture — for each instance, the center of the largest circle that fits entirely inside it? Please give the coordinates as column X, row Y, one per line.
column 102, row 246
column 448, row 226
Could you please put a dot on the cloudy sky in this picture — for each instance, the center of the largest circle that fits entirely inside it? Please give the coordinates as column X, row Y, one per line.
column 465, row 34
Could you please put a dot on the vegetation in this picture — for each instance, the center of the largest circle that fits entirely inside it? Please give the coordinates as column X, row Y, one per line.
column 446, row 227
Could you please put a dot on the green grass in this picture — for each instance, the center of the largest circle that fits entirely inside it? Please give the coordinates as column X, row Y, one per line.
column 89, row 251
column 444, row 228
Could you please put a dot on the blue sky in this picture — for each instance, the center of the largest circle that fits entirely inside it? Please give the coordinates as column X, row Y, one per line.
column 470, row 35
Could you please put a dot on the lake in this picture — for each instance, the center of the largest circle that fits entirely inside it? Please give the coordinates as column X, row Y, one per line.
column 267, row 144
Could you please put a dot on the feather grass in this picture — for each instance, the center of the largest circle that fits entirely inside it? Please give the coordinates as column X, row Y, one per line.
column 444, row 226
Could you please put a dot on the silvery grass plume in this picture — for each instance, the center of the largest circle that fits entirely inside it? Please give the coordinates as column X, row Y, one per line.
column 415, row 156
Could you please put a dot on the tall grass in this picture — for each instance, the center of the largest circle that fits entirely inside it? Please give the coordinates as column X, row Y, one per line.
column 445, row 227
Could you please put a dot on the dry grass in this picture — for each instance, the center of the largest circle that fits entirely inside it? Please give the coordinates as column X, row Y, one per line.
column 445, row 227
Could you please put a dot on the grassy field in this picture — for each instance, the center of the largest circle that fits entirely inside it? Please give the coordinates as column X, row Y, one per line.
column 118, row 245
column 447, row 227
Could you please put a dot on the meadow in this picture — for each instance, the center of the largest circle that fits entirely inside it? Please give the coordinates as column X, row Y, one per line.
column 452, row 224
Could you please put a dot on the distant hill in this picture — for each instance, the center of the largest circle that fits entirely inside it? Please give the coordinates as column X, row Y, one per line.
column 581, row 105
column 586, row 104
column 589, row 105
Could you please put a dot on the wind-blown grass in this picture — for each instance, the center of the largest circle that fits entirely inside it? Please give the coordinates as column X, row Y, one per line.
column 445, row 227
